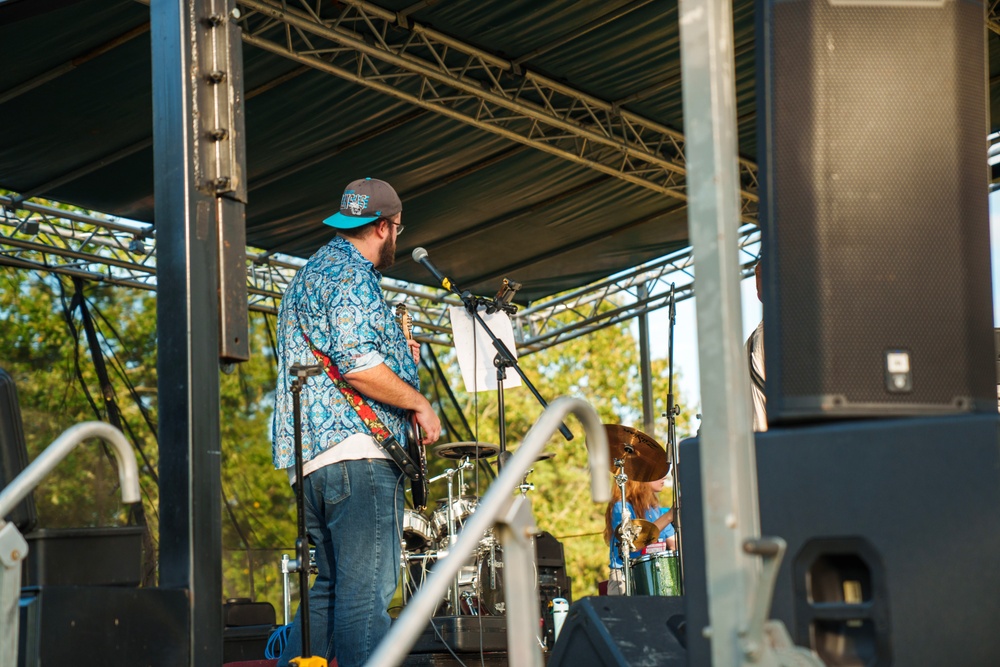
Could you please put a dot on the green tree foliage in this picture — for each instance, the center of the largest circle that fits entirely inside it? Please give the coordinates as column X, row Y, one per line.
column 603, row 369
column 43, row 347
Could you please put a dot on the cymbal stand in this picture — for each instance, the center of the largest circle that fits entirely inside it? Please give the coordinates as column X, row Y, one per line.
column 625, row 531
column 524, row 486
column 673, row 410
column 452, row 536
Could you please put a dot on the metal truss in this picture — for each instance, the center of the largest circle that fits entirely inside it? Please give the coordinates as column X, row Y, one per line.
column 618, row 298
column 993, row 16
column 40, row 237
column 385, row 51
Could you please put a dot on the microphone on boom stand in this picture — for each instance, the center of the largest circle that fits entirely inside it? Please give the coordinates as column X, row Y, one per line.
column 419, row 256
column 505, row 358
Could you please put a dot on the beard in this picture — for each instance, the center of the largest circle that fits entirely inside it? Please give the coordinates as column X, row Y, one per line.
column 387, row 253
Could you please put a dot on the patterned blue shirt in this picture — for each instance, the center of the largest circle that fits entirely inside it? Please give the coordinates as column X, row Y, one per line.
column 337, row 300
column 652, row 514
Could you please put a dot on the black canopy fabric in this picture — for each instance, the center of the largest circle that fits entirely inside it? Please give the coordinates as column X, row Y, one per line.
column 76, row 126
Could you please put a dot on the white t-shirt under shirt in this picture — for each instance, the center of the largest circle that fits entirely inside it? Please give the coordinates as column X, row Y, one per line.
column 355, row 448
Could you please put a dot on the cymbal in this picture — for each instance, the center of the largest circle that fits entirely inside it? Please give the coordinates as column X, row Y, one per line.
column 645, row 459
column 648, row 533
column 459, row 450
column 544, row 456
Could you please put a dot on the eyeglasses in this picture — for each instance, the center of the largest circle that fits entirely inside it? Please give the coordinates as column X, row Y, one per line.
column 398, row 225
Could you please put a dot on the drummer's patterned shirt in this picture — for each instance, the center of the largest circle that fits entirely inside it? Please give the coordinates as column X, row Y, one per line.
column 337, row 300
column 652, row 514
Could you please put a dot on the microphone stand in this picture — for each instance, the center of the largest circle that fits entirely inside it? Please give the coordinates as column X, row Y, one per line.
column 301, row 373
column 673, row 411
column 503, row 360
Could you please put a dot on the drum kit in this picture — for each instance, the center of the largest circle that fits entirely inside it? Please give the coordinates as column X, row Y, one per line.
column 478, row 588
column 637, row 457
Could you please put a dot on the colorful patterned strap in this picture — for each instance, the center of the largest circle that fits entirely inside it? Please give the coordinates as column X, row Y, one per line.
column 380, row 433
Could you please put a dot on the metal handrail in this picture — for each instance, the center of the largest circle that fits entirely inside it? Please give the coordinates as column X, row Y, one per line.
column 128, row 472
column 13, row 547
column 514, row 514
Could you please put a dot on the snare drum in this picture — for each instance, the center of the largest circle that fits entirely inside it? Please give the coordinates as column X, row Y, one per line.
column 417, row 532
column 657, row 574
column 462, row 507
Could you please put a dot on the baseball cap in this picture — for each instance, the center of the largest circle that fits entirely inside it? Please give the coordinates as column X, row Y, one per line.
column 365, row 200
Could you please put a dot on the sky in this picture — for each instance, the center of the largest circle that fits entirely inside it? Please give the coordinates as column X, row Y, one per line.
column 686, row 335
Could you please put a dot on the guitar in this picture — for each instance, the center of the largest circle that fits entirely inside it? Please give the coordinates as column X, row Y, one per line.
column 418, row 485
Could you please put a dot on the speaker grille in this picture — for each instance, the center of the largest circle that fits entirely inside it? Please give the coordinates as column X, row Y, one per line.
column 876, row 219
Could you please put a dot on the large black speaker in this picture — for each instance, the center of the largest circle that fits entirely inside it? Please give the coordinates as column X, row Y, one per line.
column 872, row 123
column 614, row 631
column 893, row 534
column 97, row 626
column 14, row 452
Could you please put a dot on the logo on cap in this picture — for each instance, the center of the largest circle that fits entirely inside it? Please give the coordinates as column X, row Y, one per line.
column 353, row 202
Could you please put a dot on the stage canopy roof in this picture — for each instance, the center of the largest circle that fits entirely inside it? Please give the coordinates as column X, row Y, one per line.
column 541, row 141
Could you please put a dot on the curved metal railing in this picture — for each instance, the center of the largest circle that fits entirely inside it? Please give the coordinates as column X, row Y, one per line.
column 512, row 514
column 13, row 548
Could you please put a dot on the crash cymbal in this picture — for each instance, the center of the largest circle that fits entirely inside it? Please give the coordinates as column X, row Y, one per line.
column 459, row 450
column 645, row 459
column 648, row 533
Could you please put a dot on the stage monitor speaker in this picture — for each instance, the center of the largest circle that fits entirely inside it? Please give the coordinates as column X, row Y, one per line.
column 892, row 530
column 14, row 453
column 872, row 124
column 614, row 631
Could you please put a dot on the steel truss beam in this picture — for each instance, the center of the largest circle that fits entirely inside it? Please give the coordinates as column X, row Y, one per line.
column 379, row 49
column 106, row 250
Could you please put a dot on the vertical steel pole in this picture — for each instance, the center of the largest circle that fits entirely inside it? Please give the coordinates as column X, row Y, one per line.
column 646, row 369
column 200, row 193
column 729, row 475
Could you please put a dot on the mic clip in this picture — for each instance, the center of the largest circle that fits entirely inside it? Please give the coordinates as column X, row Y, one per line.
column 503, row 298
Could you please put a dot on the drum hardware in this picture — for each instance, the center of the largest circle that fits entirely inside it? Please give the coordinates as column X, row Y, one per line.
column 289, row 566
column 524, row 486
column 449, row 474
column 626, row 531
column 644, row 533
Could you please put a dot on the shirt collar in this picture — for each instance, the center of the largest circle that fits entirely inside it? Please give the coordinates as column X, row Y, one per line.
column 345, row 246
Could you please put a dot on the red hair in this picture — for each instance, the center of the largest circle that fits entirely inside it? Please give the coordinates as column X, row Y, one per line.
column 639, row 494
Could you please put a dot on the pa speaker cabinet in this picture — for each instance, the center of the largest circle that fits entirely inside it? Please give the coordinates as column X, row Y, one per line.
column 872, row 123
column 14, row 453
column 616, row 631
column 892, row 530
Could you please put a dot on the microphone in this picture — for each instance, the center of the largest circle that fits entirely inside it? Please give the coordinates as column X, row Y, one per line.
column 420, row 257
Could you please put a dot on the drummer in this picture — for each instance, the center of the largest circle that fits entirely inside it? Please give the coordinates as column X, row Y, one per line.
column 642, row 499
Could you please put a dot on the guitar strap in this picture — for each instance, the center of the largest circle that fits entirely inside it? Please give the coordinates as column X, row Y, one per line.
column 380, row 433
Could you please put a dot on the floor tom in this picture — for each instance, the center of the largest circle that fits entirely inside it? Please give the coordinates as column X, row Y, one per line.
column 657, row 574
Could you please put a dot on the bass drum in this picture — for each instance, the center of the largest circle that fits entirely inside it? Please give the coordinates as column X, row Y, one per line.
column 418, row 535
column 489, row 578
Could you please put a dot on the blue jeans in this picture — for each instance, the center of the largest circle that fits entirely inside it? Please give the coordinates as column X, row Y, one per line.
column 354, row 512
